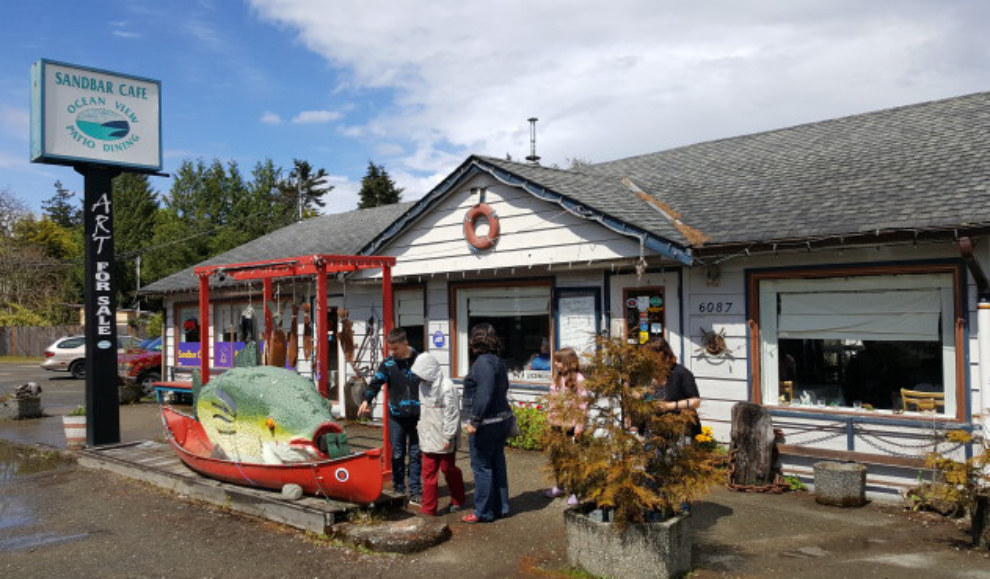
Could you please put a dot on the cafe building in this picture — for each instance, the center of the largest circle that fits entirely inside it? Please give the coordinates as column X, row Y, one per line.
column 832, row 272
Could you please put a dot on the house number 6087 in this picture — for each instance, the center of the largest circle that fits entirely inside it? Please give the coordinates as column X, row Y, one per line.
column 715, row 307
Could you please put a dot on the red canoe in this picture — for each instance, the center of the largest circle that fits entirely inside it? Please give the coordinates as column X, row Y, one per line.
column 355, row 479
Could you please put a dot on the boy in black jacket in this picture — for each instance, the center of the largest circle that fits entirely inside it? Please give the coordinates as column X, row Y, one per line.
column 403, row 411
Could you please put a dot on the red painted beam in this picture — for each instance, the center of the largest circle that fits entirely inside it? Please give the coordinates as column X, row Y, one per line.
column 387, row 315
column 204, row 328
column 322, row 357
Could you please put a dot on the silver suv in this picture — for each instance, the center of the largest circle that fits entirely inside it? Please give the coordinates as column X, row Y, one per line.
column 68, row 354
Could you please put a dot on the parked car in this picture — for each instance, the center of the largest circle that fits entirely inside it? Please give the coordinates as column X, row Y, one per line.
column 68, row 354
column 139, row 369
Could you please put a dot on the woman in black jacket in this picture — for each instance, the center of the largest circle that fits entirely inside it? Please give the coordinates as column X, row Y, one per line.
column 487, row 412
column 679, row 392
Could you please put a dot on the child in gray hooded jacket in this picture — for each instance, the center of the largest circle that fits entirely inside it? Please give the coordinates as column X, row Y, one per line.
column 439, row 430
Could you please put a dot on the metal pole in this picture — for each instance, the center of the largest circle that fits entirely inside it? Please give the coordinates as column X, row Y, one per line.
column 102, row 401
column 137, row 269
column 983, row 327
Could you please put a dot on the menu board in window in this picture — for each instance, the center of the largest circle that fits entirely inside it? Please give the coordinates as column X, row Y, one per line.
column 645, row 308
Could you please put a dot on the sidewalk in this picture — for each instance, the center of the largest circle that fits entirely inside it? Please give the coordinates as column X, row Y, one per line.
column 735, row 534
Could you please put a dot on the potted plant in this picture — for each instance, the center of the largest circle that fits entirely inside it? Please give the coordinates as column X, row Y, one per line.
column 634, row 468
column 75, row 428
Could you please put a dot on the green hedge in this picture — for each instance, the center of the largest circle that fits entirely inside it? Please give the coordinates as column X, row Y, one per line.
column 532, row 425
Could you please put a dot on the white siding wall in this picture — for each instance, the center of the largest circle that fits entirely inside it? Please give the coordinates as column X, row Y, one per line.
column 533, row 232
column 723, row 380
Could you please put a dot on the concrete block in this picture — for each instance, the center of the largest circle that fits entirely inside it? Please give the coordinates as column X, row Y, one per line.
column 642, row 551
column 840, row 484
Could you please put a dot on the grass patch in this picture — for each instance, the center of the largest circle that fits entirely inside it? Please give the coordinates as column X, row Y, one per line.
column 19, row 360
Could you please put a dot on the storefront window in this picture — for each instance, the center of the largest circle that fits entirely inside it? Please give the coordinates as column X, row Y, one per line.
column 870, row 343
column 520, row 315
column 187, row 322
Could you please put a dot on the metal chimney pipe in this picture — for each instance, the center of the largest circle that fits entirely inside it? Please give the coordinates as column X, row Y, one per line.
column 533, row 157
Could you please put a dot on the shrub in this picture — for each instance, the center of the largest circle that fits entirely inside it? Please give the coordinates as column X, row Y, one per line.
column 532, row 426
column 615, row 467
column 955, row 484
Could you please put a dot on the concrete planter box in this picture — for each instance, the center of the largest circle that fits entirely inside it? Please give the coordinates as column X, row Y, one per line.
column 21, row 408
column 645, row 550
column 840, row 484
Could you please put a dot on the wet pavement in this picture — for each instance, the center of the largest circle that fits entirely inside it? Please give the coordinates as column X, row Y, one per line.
column 60, row 520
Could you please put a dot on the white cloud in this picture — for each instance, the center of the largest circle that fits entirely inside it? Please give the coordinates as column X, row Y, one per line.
column 315, row 117
column 343, row 197
column 270, row 118
column 126, row 34
column 389, row 150
column 627, row 77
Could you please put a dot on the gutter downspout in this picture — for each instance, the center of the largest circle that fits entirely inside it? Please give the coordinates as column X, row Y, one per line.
column 967, row 249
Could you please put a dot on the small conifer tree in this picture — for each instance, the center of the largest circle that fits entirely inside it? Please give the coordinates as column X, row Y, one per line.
column 631, row 459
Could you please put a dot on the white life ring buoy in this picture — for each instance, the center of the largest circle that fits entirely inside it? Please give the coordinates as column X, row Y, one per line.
column 470, row 222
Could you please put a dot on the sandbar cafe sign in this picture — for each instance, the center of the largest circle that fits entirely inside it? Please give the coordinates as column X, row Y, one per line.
column 102, row 124
column 86, row 115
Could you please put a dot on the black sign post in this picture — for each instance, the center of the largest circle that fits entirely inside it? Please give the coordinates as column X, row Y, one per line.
column 102, row 401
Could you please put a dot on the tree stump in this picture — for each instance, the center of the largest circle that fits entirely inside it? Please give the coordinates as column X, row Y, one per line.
column 752, row 445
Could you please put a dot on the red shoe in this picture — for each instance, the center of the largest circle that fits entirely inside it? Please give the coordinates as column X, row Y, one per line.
column 470, row 519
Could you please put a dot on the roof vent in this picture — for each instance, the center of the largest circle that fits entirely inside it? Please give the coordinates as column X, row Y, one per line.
column 533, row 158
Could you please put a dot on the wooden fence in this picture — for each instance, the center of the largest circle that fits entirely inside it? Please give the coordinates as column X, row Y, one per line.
column 31, row 341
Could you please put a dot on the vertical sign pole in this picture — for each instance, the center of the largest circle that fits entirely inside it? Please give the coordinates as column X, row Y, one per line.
column 102, row 402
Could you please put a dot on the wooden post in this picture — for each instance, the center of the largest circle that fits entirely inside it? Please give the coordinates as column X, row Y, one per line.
column 386, row 328
column 752, row 445
column 322, row 357
column 204, row 328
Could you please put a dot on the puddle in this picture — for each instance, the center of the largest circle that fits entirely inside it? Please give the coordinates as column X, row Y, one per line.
column 18, row 461
column 15, row 511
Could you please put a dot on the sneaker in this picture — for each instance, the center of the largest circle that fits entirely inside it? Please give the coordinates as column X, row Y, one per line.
column 572, row 501
column 554, row 493
column 416, row 500
column 454, row 508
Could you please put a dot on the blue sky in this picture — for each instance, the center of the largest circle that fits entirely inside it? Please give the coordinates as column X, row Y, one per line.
column 418, row 86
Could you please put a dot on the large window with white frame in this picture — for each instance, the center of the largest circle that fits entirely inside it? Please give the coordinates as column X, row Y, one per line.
column 883, row 343
column 520, row 315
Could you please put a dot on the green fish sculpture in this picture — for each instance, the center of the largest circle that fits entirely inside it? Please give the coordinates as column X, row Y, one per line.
column 266, row 415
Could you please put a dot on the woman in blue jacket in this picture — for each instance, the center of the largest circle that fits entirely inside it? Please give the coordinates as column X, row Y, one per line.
column 487, row 412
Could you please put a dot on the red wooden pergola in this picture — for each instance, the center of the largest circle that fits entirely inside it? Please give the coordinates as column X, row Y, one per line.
column 315, row 265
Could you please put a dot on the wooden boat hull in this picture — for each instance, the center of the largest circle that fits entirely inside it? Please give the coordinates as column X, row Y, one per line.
column 355, row 479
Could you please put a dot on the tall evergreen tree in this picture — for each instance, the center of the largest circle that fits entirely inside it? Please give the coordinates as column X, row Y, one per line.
column 307, row 183
column 63, row 208
column 378, row 188
column 135, row 212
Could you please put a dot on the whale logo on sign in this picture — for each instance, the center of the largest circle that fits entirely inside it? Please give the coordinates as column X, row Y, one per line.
column 103, row 124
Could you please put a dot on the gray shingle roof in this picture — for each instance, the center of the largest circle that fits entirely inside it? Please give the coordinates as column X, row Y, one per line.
column 340, row 233
column 913, row 167
column 603, row 192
